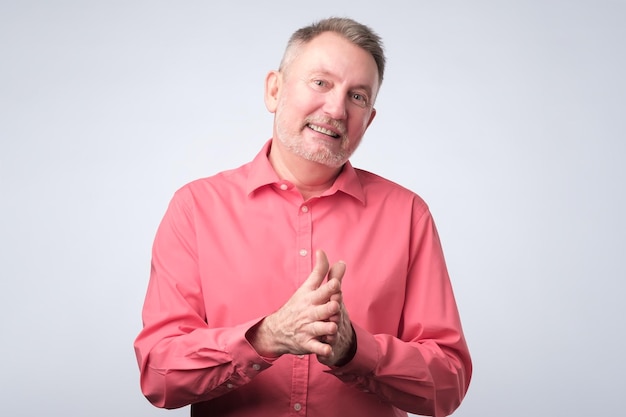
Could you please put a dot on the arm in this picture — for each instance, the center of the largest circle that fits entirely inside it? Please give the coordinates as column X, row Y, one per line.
column 426, row 367
column 418, row 377
column 182, row 359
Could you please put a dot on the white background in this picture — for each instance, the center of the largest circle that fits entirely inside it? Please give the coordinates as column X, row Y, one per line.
column 507, row 117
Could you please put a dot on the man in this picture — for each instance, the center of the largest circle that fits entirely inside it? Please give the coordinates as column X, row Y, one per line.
column 244, row 313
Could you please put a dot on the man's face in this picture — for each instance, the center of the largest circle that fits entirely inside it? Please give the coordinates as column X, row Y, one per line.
column 323, row 100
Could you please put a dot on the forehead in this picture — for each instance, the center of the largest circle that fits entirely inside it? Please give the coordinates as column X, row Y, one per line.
column 332, row 54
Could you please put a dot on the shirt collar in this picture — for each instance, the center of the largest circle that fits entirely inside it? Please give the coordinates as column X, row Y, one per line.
column 262, row 173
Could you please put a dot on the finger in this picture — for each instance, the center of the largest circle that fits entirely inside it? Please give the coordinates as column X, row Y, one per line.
column 319, row 272
column 323, row 329
column 320, row 348
column 337, row 271
column 325, row 311
column 335, row 318
column 329, row 291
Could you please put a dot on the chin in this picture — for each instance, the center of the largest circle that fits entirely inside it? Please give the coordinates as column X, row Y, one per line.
column 329, row 159
column 316, row 151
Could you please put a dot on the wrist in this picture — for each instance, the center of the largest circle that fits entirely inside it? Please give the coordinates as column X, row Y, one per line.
column 259, row 337
column 349, row 353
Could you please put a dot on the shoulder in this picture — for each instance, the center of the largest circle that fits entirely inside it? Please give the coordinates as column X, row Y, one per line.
column 225, row 183
column 377, row 188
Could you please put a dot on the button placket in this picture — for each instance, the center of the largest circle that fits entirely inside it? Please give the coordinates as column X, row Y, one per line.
column 299, row 383
column 304, row 231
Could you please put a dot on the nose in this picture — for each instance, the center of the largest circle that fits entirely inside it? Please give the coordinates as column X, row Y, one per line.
column 335, row 105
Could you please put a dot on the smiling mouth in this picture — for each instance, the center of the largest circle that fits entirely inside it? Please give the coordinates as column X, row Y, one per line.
column 322, row 130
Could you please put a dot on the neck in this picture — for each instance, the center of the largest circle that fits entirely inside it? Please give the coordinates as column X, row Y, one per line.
column 310, row 178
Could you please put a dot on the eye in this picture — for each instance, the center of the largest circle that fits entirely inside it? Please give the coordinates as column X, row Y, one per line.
column 359, row 99
column 320, row 83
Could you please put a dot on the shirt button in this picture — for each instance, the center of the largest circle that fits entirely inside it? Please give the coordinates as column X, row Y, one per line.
column 305, row 209
column 284, row 187
column 256, row 366
column 229, row 386
column 300, row 356
column 297, row 406
column 303, row 252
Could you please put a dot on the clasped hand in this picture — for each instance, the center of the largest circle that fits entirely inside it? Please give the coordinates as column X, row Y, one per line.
column 313, row 321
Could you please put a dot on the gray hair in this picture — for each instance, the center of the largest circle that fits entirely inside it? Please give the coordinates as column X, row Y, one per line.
column 353, row 31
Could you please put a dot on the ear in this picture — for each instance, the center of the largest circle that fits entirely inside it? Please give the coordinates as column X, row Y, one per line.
column 273, row 82
column 369, row 122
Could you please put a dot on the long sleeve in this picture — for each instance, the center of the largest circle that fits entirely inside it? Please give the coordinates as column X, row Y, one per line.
column 426, row 368
column 182, row 359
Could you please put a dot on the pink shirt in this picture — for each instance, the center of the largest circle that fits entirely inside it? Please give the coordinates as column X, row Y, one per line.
column 234, row 247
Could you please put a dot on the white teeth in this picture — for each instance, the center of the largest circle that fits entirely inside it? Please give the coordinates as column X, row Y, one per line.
column 324, row 131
